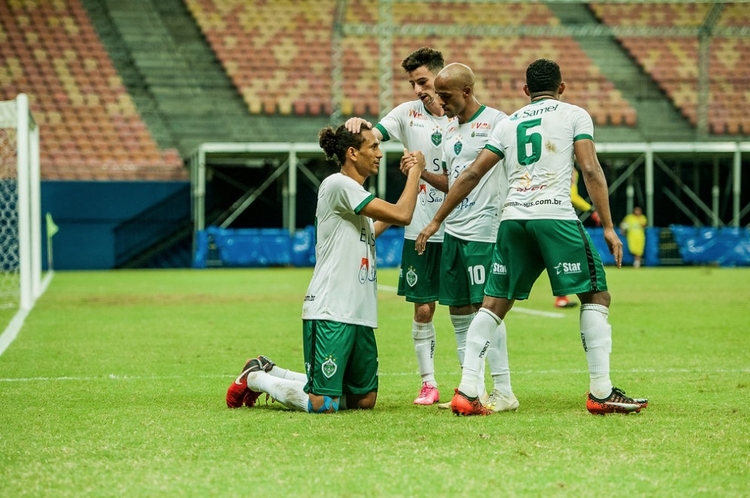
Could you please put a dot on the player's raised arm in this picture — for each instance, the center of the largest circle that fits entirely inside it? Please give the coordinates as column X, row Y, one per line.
column 355, row 124
column 464, row 184
column 401, row 212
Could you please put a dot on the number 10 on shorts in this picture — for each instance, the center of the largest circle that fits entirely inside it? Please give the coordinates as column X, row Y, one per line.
column 476, row 274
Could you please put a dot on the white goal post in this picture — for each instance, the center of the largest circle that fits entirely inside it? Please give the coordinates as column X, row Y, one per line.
column 20, row 210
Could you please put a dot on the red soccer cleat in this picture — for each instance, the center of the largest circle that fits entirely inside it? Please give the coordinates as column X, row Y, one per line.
column 616, row 402
column 463, row 405
column 238, row 393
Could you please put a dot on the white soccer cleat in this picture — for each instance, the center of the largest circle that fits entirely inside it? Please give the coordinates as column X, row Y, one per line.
column 499, row 402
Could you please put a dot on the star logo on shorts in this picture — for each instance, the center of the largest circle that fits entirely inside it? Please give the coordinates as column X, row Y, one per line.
column 329, row 367
column 558, row 268
column 411, row 277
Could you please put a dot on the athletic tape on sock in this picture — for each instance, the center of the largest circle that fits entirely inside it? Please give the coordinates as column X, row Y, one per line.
column 422, row 330
column 328, row 402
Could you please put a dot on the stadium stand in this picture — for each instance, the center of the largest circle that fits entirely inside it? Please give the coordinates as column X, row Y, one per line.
column 88, row 124
column 279, row 55
column 673, row 61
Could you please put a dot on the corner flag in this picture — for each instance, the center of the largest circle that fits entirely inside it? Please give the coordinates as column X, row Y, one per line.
column 51, row 227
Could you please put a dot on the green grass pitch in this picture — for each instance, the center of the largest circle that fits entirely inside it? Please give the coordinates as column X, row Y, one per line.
column 115, row 387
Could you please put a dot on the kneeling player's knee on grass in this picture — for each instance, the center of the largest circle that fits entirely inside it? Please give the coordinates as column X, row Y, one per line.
column 322, row 404
column 362, row 402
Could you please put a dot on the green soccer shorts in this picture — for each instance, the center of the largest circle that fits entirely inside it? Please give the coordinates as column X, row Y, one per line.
column 463, row 271
column 419, row 278
column 340, row 358
column 525, row 248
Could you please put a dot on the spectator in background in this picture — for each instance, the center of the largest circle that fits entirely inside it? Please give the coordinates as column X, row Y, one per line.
column 633, row 227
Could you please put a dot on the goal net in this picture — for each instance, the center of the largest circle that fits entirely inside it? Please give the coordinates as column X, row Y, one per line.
column 20, row 235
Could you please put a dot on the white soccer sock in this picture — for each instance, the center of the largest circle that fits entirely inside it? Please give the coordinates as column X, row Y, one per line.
column 497, row 359
column 424, row 346
column 283, row 373
column 596, row 337
column 290, row 393
column 461, row 327
column 478, row 340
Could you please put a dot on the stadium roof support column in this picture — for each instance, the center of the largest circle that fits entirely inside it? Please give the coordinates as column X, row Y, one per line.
column 385, row 56
column 704, row 46
column 737, row 174
column 650, row 186
column 385, row 81
column 290, row 194
column 337, row 70
column 715, row 194
column 198, row 183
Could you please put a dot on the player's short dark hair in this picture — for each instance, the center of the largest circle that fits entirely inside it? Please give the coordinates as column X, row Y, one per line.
column 543, row 75
column 336, row 142
column 424, row 56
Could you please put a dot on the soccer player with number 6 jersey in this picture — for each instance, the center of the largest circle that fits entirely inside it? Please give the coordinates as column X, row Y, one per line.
column 539, row 230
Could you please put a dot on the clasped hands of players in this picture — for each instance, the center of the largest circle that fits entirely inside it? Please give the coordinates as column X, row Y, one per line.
column 408, row 161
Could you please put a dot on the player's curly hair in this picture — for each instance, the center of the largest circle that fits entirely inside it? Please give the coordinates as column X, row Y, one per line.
column 424, row 56
column 336, row 142
column 543, row 75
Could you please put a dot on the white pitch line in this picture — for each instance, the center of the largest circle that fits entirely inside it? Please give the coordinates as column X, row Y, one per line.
column 528, row 311
column 14, row 327
column 114, row 377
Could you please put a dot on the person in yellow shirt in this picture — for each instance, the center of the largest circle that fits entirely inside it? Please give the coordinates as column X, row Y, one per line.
column 633, row 227
column 580, row 204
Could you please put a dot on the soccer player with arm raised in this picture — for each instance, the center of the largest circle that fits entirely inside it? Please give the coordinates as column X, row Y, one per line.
column 420, row 125
column 539, row 230
column 340, row 310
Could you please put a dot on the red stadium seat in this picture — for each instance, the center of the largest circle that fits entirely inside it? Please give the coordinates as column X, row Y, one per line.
column 66, row 73
column 673, row 62
column 302, row 54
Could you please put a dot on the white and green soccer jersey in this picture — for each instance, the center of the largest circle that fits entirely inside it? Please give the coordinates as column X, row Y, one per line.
column 476, row 218
column 413, row 125
column 536, row 143
column 344, row 282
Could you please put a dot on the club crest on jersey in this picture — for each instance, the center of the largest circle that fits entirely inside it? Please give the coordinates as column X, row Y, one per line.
column 411, row 277
column 329, row 367
column 457, row 147
column 436, row 137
